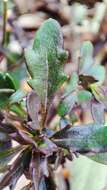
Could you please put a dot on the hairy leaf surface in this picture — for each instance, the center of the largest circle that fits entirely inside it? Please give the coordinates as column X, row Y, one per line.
column 91, row 137
column 45, row 60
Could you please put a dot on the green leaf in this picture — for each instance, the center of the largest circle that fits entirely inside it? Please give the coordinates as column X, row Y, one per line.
column 84, row 95
column 69, row 97
column 100, row 93
column 72, row 95
column 17, row 96
column 16, row 170
column 18, row 109
column 7, row 87
column 6, row 81
column 5, row 144
column 4, row 168
column 86, row 57
column 87, row 174
column 72, row 84
column 18, row 75
column 98, row 72
column 7, row 155
column 87, row 64
column 86, row 49
column 73, row 117
column 86, row 138
column 99, row 157
column 67, row 103
column 38, row 69
column 45, row 60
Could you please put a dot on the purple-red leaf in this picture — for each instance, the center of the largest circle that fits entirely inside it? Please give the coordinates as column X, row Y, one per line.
column 16, row 170
column 35, row 170
column 44, row 166
column 33, row 108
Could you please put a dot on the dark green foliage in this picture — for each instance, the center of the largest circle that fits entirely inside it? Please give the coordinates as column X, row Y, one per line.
column 7, row 87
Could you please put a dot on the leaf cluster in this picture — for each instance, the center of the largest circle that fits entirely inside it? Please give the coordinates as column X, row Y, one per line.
column 27, row 117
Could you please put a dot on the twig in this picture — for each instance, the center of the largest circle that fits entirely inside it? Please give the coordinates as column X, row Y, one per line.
column 4, row 21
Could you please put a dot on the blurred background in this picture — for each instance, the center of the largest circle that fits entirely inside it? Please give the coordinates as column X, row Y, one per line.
column 80, row 20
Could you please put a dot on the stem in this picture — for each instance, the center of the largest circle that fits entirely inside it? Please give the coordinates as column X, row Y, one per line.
column 4, row 21
column 44, row 114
